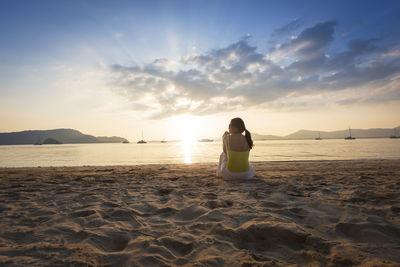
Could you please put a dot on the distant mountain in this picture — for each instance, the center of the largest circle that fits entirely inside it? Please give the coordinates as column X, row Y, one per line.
column 358, row 133
column 112, row 139
column 65, row 136
column 51, row 141
column 256, row 136
column 308, row 134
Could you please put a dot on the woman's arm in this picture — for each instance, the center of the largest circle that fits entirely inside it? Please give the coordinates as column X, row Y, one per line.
column 224, row 136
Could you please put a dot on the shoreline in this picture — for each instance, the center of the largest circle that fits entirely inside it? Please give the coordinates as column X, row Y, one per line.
column 311, row 213
column 207, row 163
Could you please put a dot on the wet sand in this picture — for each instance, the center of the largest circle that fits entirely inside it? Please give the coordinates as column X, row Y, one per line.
column 331, row 213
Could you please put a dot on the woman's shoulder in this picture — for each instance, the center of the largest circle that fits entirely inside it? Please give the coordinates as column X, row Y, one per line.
column 238, row 137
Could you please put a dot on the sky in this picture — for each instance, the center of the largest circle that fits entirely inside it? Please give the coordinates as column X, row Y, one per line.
column 178, row 68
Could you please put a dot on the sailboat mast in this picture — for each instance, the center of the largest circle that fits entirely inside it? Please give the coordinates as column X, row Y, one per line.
column 350, row 131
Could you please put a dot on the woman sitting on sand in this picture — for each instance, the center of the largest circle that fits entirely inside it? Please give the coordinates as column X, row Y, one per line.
column 234, row 160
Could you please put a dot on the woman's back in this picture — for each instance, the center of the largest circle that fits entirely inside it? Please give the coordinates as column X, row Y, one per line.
column 237, row 152
column 236, row 142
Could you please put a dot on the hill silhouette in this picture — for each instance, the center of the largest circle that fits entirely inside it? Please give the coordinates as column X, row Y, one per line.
column 65, row 136
column 311, row 134
column 51, row 141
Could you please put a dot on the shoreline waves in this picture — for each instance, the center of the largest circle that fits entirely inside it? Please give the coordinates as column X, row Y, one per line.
column 310, row 213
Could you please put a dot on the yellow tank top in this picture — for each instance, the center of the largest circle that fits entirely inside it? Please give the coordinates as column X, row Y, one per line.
column 237, row 161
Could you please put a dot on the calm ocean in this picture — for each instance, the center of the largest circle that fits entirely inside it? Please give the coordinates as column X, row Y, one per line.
column 195, row 152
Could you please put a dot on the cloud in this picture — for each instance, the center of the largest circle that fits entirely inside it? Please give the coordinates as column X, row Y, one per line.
column 310, row 43
column 239, row 76
column 287, row 29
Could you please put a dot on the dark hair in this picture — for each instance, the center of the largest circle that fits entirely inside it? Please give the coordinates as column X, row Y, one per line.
column 239, row 124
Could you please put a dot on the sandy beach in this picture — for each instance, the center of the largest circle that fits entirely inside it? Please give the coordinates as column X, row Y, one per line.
column 330, row 213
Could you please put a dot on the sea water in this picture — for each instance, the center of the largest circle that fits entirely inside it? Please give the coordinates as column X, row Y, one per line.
column 194, row 152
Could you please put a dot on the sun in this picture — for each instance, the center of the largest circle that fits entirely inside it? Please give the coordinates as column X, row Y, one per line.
column 187, row 127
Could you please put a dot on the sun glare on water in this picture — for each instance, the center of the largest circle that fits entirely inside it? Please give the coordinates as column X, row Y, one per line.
column 189, row 132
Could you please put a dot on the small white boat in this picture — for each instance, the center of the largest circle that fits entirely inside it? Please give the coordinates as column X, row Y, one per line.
column 205, row 140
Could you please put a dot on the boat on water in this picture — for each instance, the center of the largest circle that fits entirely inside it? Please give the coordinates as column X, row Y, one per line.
column 350, row 137
column 38, row 143
column 142, row 141
column 205, row 140
column 125, row 142
column 394, row 136
column 163, row 141
column 319, row 136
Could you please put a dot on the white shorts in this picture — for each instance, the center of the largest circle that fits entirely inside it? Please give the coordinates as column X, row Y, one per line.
column 223, row 171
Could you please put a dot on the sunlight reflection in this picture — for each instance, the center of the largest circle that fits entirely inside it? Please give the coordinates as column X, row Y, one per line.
column 188, row 128
column 187, row 150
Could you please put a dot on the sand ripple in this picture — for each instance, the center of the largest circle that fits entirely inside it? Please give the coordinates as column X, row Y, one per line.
column 304, row 213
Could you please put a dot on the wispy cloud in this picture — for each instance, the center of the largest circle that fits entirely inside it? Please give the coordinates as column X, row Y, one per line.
column 287, row 29
column 239, row 76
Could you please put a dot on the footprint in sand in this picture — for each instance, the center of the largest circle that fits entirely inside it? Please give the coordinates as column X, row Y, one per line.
column 166, row 212
column 164, row 191
column 111, row 242
column 191, row 213
column 263, row 237
column 83, row 213
column 177, row 247
column 210, row 195
column 395, row 209
column 370, row 232
column 122, row 215
column 212, row 204
column 69, row 234
column 110, row 204
column 20, row 237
